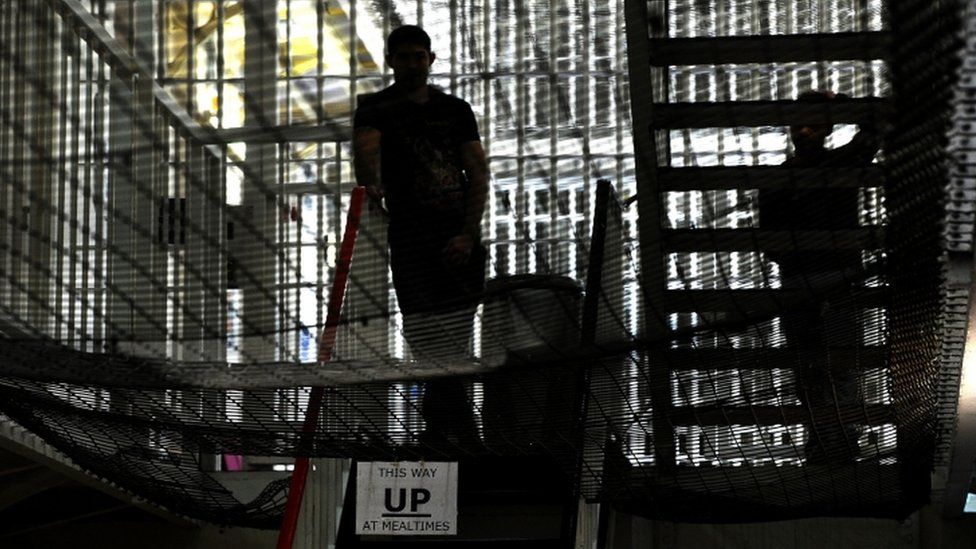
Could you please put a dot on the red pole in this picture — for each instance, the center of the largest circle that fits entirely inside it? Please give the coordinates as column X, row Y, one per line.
column 326, row 343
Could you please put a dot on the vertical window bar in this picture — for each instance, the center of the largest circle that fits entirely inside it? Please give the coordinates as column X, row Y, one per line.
column 337, row 228
column 282, row 252
column 353, row 65
column 454, row 46
column 86, row 246
column 586, row 107
column 17, row 212
column 74, row 296
column 61, row 114
column 289, row 61
column 522, row 15
column 175, row 256
column 321, row 245
column 486, row 63
column 319, row 69
column 387, row 16
column 190, row 56
column 99, row 106
column 620, row 88
column 296, row 306
column 6, row 80
column 161, row 39
column 555, row 125
column 169, row 187
column 721, row 26
column 220, row 14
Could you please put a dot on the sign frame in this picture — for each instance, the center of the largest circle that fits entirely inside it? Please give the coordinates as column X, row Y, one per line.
column 406, row 498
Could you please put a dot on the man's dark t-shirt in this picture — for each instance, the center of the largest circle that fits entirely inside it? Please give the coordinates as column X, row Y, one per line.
column 425, row 189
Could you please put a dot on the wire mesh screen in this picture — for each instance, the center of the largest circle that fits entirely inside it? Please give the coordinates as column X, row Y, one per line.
column 172, row 242
column 919, row 139
column 731, row 332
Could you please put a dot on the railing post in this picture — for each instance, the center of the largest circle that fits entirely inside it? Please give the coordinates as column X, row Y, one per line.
column 259, row 296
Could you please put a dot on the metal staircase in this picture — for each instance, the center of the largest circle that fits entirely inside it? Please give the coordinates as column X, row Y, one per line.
column 651, row 54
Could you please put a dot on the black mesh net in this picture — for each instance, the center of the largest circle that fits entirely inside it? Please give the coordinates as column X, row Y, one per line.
column 751, row 336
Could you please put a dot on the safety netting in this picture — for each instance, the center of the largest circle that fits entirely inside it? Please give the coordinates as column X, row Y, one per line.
column 729, row 324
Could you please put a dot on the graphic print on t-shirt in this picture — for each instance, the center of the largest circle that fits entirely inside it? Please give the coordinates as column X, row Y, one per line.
column 437, row 178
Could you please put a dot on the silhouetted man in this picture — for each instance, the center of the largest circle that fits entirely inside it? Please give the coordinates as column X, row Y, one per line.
column 822, row 323
column 419, row 149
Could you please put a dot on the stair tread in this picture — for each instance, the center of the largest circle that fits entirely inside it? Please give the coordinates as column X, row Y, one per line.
column 766, row 177
column 754, row 239
column 863, row 358
column 870, row 414
column 769, row 49
column 762, row 113
column 758, row 300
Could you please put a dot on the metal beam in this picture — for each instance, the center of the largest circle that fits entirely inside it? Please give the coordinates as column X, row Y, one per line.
column 649, row 205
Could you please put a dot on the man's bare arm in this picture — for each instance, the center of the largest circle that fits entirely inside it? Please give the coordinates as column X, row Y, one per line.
column 459, row 248
column 366, row 151
column 476, row 168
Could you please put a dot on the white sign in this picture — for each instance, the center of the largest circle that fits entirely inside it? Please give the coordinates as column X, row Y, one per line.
column 406, row 498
